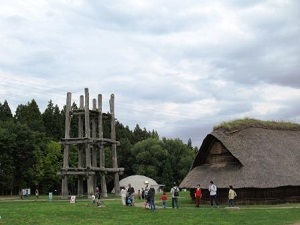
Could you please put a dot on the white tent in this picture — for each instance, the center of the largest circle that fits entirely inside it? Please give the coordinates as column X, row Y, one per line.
column 138, row 182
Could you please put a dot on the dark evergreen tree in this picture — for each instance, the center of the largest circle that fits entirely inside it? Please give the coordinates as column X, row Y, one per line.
column 53, row 122
column 5, row 112
column 189, row 144
column 30, row 114
column 22, row 156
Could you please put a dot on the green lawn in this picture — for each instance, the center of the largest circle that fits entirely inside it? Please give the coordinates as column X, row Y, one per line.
column 41, row 211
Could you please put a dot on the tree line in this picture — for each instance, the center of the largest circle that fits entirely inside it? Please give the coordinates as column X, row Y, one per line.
column 31, row 154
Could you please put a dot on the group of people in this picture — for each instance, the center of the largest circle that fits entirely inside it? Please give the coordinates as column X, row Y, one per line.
column 212, row 188
column 148, row 193
column 127, row 195
column 95, row 198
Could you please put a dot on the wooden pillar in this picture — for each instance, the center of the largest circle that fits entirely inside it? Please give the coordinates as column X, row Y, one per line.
column 64, row 183
column 101, row 150
column 90, row 180
column 94, row 148
column 80, row 150
column 114, row 146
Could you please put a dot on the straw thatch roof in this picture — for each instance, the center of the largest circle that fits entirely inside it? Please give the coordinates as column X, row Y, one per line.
column 253, row 157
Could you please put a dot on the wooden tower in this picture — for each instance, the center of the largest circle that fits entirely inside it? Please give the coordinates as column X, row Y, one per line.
column 90, row 146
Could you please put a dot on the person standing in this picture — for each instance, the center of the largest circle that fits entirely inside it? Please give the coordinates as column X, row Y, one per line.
column 98, row 196
column 175, row 193
column 37, row 193
column 164, row 199
column 146, row 197
column 231, row 195
column 146, row 189
column 151, row 194
column 139, row 194
column 198, row 195
column 143, row 193
column 130, row 192
column 93, row 199
column 212, row 188
column 123, row 194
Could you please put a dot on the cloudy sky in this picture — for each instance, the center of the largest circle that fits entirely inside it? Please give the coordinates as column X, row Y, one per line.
column 177, row 67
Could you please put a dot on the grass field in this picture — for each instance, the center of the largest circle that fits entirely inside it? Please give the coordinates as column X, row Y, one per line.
column 40, row 211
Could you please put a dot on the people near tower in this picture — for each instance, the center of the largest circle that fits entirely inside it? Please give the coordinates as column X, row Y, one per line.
column 198, row 195
column 212, row 188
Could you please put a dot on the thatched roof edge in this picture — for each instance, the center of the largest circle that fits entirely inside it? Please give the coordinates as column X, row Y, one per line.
column 269, row 158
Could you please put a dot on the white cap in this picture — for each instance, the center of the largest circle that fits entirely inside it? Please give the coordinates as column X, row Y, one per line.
column 146, row 182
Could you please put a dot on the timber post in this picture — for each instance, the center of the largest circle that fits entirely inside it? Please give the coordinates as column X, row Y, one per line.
column 114, row 146
column 64, row 183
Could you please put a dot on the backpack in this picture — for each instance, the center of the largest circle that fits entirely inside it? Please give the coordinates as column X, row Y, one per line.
column 176, row 192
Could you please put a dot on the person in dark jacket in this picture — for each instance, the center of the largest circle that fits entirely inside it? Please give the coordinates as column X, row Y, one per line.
column 151, row 196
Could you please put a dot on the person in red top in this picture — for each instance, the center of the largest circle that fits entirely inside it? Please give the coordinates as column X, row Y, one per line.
column 164, row 199
column 198, row 195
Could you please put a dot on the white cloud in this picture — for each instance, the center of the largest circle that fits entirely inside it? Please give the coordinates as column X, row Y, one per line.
column 176, row 67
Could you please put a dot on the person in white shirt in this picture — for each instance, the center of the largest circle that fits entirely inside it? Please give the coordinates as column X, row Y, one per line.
column 123, row 194
column 175, row 192
column 212, row 188
column 93, row 201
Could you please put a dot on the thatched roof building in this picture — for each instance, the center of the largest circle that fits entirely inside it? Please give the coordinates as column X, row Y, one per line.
column 256, row 158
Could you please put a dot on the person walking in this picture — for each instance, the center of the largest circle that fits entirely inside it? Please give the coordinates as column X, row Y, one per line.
column 231, row 195
column 164, row 199
column 151, row 195
column 130, row 192
column 139, row 194
column 98, row 196
column 37, row 193
column 123, row 194
column 93, row 199
column 212, row 188
column 198, row 195
column 175, row 193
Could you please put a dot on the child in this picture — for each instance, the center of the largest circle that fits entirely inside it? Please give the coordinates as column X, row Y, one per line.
column 123, row 194
column 164, row 199
column 231, row 196
column 198, row 195
column 93, row 201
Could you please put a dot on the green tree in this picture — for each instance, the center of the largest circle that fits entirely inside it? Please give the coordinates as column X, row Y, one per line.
column 5, row 112
column 7, row 146
column 30, row 114
column 51, row 165
column 53, row 121
column 189, row 144
column 21, row 155
column 150, row 158
column 181, row 158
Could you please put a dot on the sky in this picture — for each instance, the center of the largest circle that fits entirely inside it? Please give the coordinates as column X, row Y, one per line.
column 177, row 67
